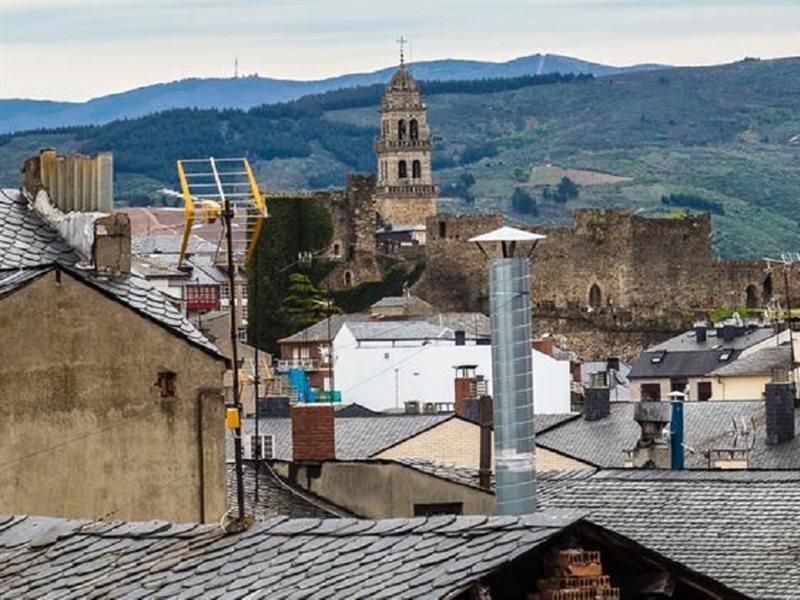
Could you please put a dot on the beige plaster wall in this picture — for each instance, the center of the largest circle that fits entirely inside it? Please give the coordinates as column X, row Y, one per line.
column 457, row 442
column 739, row 388
column 381, row 490
column 84, row 431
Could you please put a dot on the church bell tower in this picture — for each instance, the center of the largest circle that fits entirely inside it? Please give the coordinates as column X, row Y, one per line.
column 405, row 193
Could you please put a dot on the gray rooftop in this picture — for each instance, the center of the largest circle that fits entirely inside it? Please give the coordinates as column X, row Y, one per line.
column 170, row 243
column 708, row 426
column 276, row 496
column 741, row 528
column 759, row 362
column 474, row 324
column 29, row 248
column 356, row 437
column 684, row 356
column 433, row 557
column 399, row 330
column 318, row 332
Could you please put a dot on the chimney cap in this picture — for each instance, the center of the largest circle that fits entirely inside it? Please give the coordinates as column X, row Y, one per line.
column 508, row 234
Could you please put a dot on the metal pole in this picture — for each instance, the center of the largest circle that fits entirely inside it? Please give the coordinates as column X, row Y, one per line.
column 330, row 354
column 237, row 439
column 258, row 439
column 792, row 357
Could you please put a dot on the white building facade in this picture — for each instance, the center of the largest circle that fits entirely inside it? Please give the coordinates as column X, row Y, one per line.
column 383, row 365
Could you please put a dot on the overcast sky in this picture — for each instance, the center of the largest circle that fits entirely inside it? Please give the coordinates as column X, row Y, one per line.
column 69, row 50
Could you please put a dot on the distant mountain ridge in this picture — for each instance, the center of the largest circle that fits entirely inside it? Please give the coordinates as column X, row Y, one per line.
column 246, row 92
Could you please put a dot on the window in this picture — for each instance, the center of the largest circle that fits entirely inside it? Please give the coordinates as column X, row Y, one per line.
column 595, row 297
column 413, row 129
column 442, row 230
column 416, row 170
column 445, row 508
column 166, row 384
column 767, row 288
column 402, row 169
column 260, row 447
column 658, row 357
column 337, row 250
column 678, row 385
column 348, row 278
column 703, row 391
column 241, row 334
column 401, row 130
column 224, row 291
column 650, row 392
column 751, row 297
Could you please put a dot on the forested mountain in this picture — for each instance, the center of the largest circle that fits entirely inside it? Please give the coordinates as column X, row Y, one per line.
column 658, row 142
column 246, row 92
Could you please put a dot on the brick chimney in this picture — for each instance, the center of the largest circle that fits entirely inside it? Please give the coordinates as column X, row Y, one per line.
column 313, row 432
column 779, row 408
column 464, row 389
column 545, row 345
column 111, row 249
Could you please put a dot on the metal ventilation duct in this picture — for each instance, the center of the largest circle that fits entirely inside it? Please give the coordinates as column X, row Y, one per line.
column 512, row 370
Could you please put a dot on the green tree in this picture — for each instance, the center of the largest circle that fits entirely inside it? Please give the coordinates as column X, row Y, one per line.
column 304, row 303
column 567, row 189
column 523, row 203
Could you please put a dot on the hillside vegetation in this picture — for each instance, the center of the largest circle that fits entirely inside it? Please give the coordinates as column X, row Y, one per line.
column 725, row 134
column 252, row 90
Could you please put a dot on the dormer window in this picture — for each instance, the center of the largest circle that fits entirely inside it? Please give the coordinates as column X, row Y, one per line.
column 658, row 358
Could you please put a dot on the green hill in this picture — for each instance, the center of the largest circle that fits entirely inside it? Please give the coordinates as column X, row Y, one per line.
column 728, row 134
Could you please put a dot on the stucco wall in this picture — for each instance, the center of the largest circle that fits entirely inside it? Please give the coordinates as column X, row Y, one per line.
column 84, row 431
column 457, row 442
column 366, row 373
column 382, row 490
column 739, row 388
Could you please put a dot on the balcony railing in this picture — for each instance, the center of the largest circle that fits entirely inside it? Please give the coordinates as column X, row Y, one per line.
column 416, row 189
column 308, row 364
column 401, row 144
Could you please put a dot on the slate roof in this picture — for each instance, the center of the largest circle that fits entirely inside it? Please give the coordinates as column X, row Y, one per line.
column 28, row 243
column 318, row 332
column 419, row 557
column 170, row 244
column 357, row 438
column 620, row 390
column 472, row 323
column 760, row 362
column 741, row 528
column 398, row 330
column 276, row 496
column 684, row 356
column 707, row 425
column 390, row 301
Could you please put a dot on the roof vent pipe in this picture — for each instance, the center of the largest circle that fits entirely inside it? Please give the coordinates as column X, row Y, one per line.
column 676, row 444
column 512, row 371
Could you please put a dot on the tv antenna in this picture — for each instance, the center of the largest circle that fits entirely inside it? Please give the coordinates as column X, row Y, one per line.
column 225, row 189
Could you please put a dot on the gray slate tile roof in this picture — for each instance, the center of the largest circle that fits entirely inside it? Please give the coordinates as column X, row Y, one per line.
column 474, row 324
column 741, row 528
column 318, row 332
column 398, row 330
column 684, row 356
column 707, row 425
column 433, row 557
column 760, row 362
column 357, row 438
column 276, row 496
column 29, row 244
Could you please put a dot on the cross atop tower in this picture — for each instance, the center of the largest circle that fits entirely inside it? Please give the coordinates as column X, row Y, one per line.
column 402, row 42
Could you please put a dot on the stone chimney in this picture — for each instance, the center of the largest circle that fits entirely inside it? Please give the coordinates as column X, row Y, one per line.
column 779, row 408
column 652, row 450
column 313, row 432
column 597, row 403
column 111, row 249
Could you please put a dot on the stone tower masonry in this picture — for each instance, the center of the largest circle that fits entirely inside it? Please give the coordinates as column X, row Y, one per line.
column 405, row 193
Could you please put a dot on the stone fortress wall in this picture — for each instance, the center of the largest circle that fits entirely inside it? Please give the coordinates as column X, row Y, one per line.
column 611, row 283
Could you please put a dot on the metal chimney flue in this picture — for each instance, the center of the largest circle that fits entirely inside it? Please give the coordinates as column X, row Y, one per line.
column 512, row 370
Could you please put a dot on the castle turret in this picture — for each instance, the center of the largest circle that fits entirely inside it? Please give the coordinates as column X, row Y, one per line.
column 405, row 192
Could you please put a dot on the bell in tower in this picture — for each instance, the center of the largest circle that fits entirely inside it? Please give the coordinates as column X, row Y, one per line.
column 405, row 193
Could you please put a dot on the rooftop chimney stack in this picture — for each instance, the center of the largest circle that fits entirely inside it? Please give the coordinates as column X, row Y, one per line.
column 111, row 249
column 700, row 331
column 313, row 432
column 651, row 451
column 779, row 408
column 597, row 403
column 676, row 430
column 485, row 465
column 464, row 389
column 512, row 370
